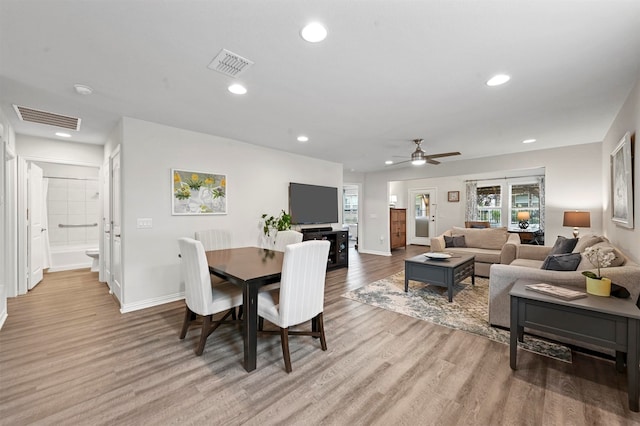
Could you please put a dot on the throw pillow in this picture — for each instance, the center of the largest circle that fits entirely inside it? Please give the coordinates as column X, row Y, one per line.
column 586, row 241
column 455, row 241
column 563, row 245
column 606, row 247
column 562, row 262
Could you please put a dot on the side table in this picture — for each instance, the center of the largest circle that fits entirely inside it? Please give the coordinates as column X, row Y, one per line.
column 604, row 321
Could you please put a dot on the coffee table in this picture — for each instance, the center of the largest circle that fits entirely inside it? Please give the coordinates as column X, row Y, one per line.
column 440, row 272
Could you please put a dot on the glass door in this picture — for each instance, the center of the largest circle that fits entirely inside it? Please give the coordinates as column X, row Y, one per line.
column 422, row 211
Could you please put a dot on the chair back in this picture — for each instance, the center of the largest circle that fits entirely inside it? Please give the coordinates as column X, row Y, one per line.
column 477, row 224
column 302, row 283
column 214, row 239
column 195, row 273
column 284, row 238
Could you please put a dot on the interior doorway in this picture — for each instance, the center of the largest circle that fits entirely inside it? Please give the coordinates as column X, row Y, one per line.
column 421, row 217
column 350, row 212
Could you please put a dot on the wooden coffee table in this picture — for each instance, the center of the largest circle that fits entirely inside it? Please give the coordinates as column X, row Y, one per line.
column 441, row 272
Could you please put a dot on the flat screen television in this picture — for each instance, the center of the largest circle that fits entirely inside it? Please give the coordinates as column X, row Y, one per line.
column 312, row 204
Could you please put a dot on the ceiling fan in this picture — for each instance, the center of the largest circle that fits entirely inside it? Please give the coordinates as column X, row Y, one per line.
column 419, row 157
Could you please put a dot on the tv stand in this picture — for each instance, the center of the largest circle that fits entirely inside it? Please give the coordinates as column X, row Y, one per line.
column 320, row 229
column 339, row 248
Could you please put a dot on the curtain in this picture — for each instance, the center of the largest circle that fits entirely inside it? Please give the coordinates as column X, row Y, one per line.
column 542, row 204
column 471, row 211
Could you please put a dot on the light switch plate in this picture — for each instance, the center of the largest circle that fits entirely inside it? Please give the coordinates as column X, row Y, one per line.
column 145, row 223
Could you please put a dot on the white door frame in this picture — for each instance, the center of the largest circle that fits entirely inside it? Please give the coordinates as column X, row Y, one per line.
column 359, row 231
column 411, row 214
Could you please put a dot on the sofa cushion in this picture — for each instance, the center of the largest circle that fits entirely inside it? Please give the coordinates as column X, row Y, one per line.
column 456, row 241
column 605, row 246
column 529, row 263
column 562, row 262
column 563, row 245
column 487, row 238
column 586, row 241
column 482, row 255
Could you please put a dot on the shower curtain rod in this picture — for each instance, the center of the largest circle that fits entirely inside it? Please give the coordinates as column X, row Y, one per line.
column 69, row 178
column 503, row 178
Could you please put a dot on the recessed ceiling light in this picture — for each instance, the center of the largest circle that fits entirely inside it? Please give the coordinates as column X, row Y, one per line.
column 388, row 162
column 63, row 135
column 314, row 32
column 528, row 141
column 302, row 138
column 237, row 89
column 82, row 89
column 497, row 80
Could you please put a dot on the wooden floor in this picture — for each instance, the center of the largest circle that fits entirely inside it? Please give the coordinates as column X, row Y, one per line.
column 68, row 357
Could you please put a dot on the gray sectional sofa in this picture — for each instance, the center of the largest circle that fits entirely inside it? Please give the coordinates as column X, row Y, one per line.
column 489, row 245
column 527, row 265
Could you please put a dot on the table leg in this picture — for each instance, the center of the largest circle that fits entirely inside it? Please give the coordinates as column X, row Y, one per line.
column 250, row 303
column 450, row 290
column 632, row 364
column 513, row 333
column 406, row 282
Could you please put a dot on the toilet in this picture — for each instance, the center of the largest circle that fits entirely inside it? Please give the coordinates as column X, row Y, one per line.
column 95, row 255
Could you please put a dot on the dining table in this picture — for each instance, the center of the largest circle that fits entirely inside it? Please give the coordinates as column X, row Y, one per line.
column 249, row 268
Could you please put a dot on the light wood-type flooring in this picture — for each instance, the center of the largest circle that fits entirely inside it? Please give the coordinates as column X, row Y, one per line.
column 69, row 357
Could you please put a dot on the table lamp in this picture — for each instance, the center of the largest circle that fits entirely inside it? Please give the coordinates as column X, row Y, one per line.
column 523, row 218
column 577, row 220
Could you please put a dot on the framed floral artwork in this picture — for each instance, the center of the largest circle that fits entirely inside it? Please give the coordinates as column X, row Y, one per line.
column 453, row 196
column 622, row 183
column 198, row 193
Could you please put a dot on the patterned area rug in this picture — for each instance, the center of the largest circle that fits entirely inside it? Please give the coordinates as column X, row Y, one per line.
column 467, row 312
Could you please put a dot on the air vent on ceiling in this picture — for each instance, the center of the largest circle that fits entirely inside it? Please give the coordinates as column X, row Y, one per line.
column 230, row 64
column 48, row 118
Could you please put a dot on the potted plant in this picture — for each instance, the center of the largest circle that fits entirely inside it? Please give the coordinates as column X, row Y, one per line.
column 596, row 283
column 282, row 222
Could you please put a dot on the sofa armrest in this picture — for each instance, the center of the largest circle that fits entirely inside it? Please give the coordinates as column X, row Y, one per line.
column 526, row 251
column 437, row 243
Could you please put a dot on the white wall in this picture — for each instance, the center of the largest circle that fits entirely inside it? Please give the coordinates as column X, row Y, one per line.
column 573, row 181
column 8, row 244
column 57, row 151
column 627, row 120
column 257, row 182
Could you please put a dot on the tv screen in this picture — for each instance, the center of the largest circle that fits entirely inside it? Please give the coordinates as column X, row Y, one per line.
column 312, row 204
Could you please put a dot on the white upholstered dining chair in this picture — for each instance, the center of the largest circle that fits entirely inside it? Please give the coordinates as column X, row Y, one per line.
column 301, row 294
column 284, row 238
column 214, row 239
column 201, row 297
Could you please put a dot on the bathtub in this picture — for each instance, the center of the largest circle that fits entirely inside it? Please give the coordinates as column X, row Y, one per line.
column 64, row 258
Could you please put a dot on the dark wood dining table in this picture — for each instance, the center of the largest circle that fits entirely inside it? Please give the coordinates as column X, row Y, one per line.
column 250, row 268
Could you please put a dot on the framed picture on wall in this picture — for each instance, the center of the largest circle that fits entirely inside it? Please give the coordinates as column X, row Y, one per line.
column 453, row 196
column 198, row 193
column 622, row 183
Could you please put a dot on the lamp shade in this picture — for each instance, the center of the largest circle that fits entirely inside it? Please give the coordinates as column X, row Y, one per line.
column 523, row 216
column 577, row 219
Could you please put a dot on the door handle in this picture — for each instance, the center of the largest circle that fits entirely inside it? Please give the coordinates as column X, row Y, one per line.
column 117, row 235
column 43, row 229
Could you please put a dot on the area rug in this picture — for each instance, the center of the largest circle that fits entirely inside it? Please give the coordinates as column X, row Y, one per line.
column 468, row 311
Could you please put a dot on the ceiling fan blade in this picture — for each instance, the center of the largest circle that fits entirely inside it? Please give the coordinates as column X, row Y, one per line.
column 399, row 162
column 444, row 154
column 430, row 161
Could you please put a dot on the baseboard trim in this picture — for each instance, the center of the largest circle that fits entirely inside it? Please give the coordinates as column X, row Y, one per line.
column 150, row 303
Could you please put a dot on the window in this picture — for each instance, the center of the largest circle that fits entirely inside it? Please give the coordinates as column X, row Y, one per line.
column 524, row 198
column 490, row 205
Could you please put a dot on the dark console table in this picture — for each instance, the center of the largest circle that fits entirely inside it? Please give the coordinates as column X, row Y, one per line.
column 339, row 248
column 604, row 321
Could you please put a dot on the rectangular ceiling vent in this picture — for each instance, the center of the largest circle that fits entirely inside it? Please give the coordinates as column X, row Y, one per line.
column 48, row 118
column 229, row 63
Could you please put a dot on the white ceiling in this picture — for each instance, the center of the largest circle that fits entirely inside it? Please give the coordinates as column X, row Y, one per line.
column 388, row 72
